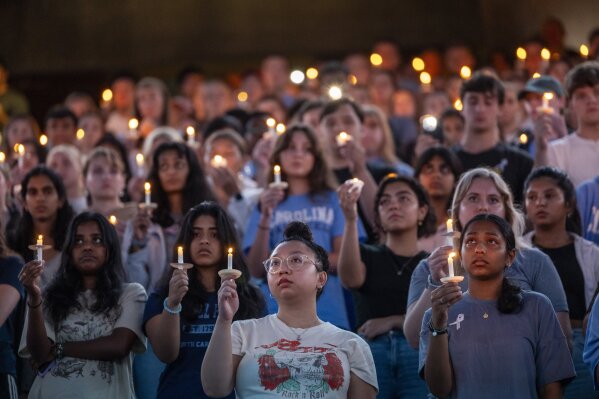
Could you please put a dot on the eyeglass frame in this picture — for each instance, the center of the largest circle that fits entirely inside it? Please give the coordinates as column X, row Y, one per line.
column 304, row 258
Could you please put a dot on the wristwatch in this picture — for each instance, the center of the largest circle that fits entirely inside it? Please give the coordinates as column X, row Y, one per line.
column 434, row 331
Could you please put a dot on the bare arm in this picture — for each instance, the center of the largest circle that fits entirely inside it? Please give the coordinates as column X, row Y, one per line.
column 350, row 269
column 10, row 299
column 259, row 250
column 334, row 256
column 360, row 389
column 413, row 318
column 112, row 347
column 219, row 366
column 164, row 331
column 551, row 391
column 367, row 199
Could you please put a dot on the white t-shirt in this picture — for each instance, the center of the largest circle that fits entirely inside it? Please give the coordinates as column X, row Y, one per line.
column 283, row 362
column 579, row 157
column 82, row 378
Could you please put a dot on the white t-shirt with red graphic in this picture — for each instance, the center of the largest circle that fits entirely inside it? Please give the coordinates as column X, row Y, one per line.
column 283, row 362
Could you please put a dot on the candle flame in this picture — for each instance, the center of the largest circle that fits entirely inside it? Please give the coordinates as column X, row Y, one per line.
column 451, row 255
column 80, row 134
column 190, row 131
column 20, row 149
column 40, row 237
column 281, row 128
column 242, row 96
column 139, row 159
column 584, row 50
column 465, row 72
column 457, row 104
column 425, row 78
column 335, row 92
column 523, row 138
column 418, row 64
column 376, row 59
column 230, row 251
column 277, row 169
column 112, row 219
column 2, row 156
column 548, row 96
column 43, row 139
column 133, row 123
column 147, row 187
column 521, row 53
column 271, row 122
column 536, row 75
column 312, row 73
column 545, row 54
column 107, row 95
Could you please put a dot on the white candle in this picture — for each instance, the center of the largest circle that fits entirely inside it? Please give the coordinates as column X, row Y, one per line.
column 450, row 264
column 180, row 255
column 230, row 259
column 139, row 160
column 277, row 173
column 271, row 123
column 449, row 240
column 147, row 189
column 191, row 135
column 21, row 151
column 449, row 225
column 546, row 108
column 342, row 138
column 39, row 245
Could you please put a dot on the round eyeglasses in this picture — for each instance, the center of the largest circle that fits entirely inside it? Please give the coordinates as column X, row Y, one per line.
column 294, row 262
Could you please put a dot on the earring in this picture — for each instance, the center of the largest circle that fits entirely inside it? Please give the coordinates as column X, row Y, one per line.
column 420, row 223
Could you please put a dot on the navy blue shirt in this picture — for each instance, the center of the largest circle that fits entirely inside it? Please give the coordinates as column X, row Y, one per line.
column 182, row 378
column 9, row 274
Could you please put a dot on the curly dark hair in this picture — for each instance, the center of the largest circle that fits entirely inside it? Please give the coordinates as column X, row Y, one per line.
column 251, row 302
column 61, row 295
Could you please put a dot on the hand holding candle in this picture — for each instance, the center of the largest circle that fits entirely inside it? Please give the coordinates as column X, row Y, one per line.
column 546, row 108
column 180, row 263
column 451, row 270
column 39, row 248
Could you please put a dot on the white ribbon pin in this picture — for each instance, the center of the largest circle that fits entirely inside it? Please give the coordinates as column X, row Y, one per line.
column 457, row 321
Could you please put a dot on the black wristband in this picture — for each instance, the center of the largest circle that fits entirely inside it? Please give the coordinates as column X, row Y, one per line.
column 434, row 331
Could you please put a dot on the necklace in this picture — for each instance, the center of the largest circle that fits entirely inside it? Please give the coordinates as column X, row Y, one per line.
column 294, row 330
column 484, row 311
column 399, row 269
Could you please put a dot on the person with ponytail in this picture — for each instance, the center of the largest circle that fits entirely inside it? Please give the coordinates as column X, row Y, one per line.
column 291, row 353
column 494, row 340
column 550, row 199
column 482, row 190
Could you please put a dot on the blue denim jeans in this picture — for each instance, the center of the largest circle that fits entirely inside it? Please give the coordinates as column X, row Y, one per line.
column 582, row 386
column 146, row 373
column 397, row 367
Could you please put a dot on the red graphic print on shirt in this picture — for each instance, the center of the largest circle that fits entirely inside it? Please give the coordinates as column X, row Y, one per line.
column 295, row 370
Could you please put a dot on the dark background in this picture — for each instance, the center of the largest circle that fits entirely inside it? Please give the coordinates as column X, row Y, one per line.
column 55, row 46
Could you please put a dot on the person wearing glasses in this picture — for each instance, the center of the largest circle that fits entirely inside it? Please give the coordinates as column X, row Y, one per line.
column 291, row 353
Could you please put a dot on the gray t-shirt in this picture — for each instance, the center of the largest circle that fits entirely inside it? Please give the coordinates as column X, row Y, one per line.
column 503, row 355
column 532, row 270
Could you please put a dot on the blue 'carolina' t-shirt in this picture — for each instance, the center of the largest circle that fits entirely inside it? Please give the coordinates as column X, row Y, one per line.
column 9, row 275
column 182, row 378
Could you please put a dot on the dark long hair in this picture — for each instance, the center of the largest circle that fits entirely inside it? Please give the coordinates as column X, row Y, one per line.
column 61, row 295
column 320, row 177
column 429, row 223
column 563, row 182
column 195, row 191
column 24, row 235
column 510, row 298
column 251, row 302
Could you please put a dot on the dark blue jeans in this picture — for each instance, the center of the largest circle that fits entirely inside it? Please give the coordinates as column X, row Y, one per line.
column 397, row 367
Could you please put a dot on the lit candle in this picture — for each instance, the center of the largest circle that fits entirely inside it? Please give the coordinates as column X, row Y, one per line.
column 376, row 59
column 147, row 189
column 133, row 125
column 21, row 152
column 584, row 51
column 112, row 219
column 465, row 72
column 457, row 104
column 335, row 92
column 191, row 135
column 449, row 225
column 180, row 255
column 43, row 140
column 425, row 81
column 311, row 73
column 80, row 134
column 271, row 123
column 106, row 96
column 418, row 64
column 40, row 245
column 449, row 236
column 139, row 160
column 523, row 138
column 546, row 108
column 342, row 138
column 242, row 96
column 450, row 264
column 218, row 162
column 230, row 259
column 2, row 157
column 280, row 129
column 277, row 173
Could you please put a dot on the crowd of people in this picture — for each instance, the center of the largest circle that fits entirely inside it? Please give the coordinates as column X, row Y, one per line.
column 402, row 231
